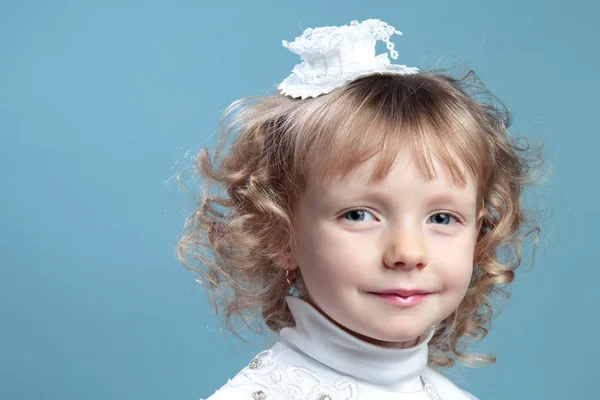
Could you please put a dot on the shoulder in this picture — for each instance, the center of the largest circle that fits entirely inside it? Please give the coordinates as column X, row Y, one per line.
column 240, row 387
column 282, row 374
column 446, row 388
column 229, row 393
column 262, row 375
column 247, row 383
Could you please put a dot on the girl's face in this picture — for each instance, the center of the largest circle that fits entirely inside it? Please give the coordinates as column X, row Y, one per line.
column 386, row 261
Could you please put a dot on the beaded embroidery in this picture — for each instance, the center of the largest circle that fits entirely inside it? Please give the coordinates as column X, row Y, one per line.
column 296, row 382
column 293, row 383
column 259, row 395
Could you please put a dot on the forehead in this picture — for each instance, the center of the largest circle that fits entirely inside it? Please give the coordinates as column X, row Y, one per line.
column 406, row 170
column 373, row 167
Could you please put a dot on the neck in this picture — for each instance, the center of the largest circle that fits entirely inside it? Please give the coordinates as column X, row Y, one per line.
column 395, row 367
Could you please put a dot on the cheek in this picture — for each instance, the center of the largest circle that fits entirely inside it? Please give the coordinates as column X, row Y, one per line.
column 329, row 256
column 456, row 265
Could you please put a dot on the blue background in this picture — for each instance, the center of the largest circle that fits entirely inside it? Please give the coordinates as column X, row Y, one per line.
column 100, row 101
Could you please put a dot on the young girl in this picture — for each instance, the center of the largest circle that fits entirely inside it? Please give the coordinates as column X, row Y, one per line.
column 371, row 212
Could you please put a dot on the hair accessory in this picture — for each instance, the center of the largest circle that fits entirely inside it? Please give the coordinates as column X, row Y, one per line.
column 332, row 56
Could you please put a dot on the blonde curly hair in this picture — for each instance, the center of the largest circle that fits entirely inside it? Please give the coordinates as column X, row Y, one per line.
column 270, row 146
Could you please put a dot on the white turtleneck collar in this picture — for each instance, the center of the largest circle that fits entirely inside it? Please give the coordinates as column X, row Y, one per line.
column 396, row 370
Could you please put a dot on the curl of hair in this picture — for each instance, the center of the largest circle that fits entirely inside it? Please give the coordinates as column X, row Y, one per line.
column 269, row 145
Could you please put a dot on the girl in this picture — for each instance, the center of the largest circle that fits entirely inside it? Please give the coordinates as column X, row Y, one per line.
column 371, row 213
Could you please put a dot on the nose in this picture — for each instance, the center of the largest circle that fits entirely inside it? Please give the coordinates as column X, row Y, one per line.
column 405, row 250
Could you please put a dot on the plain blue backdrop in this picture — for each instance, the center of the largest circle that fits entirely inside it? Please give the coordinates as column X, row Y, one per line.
column 101, row 100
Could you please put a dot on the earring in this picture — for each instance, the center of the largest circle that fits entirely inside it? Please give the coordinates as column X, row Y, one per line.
column 290, row 276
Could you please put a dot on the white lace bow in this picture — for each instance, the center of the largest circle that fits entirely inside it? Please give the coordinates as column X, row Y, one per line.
column 332, row 56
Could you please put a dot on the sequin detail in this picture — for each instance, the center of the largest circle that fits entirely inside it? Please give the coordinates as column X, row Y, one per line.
column 259, row 395
column 256, row 363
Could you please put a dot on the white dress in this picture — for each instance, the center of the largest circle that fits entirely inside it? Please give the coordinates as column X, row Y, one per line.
column 316, row 360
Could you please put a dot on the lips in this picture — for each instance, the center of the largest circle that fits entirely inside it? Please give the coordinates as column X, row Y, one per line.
column 403, row 292
column 403, row 297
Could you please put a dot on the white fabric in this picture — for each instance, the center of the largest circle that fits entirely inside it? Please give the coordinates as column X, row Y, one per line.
column 323, row 341
column 316, row 360
column 332, row 56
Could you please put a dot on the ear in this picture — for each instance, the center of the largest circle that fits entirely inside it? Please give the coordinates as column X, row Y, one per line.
column 286, row 261
column 480, row 217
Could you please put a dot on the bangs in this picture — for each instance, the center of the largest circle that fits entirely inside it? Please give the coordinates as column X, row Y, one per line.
column 380, row 115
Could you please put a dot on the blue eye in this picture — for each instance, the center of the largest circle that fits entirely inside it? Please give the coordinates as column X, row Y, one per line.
column 357, row 215
column 441, row 219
